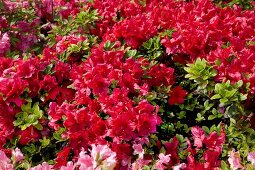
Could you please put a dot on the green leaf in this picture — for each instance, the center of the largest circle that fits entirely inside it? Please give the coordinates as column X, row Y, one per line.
column 206, row 129
column 38, row 126
column 233, row 120
column 230, row 93
column 223, row 101
column 216, row 96
column 58, row 135
column 45, row 142
column 108, row 45
column 199, row 117
column 30, row 148
column 29, row 116
column 131, row 53
column 211, row 117
column 243, row 97
column 224, row 165
column 146, row 168
column 239, row 83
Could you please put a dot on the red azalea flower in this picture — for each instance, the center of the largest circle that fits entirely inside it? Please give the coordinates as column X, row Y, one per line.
column 211, row 157
column 124, row 152
column 99, row 84
column 172, row 149
column 62, row 157
column 122, row 127
column 12, row 87
column 177, row 96
column 49, row 82
column 147, row 124
column 214, row 140
column 28, row 135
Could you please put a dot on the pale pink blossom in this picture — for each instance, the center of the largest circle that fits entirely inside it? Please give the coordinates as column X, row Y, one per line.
column 17, row 155
column 234, row 160
column 139, row 164
column 43, row 166
column 5, row 162
column 180, row 166
column 143, row 89
column 143, row 140
column 4, row 43
column 103, row 155
column 163, row 159
column 70, row 166
column 138, row 149
column 85, row 161
column 251, row 157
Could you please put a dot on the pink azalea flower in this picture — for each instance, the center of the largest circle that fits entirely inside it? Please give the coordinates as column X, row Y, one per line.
column 251, row 157
column 234, row 160
column 43, row 166
column 70, row 166
column 4, row 43
column 143, row 89
column 180, row 166
column 163, row 159
column 138, row 149
column 17, row 155
column 3, row 157
column 198, row 135
column 103, row 155
column 85, row 161
column 5, row 162
column 139, row 164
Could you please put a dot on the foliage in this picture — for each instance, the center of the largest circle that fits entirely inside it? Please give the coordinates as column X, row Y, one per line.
column 127, row 84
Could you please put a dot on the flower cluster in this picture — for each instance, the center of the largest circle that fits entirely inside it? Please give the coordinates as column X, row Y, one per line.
column 142, row 84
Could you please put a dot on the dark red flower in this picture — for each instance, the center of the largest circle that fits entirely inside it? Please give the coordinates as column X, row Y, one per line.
column 99, row 85
column 62, row 157
column 172, row 149
column 177, row 96
column 123, row 151
column 28, row 135
column 122, row 128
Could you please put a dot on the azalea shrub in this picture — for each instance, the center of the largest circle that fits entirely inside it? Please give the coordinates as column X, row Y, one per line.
column 120, row 84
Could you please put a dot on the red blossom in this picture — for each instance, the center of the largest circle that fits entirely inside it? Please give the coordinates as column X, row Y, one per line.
column 177, row 96
column 28, row 135
column 62, row 157
column 172, row 149
column 122, row 128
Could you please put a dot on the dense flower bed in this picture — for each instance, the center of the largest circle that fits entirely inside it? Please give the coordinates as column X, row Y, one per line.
column 121, row 84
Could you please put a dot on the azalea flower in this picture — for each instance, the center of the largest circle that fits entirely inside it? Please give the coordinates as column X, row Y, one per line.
column 177, row 96
column 70, row 166
column 5, row 162
column 162, row 162
column 138, row 149
column 85, row 161
column 17, row 155
column 101, row 157
column 180, row 166
column 4, row 43
column 251, row 157
column 234, row 160
column 43, row 166
column 104, row 156
column 139, row 164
